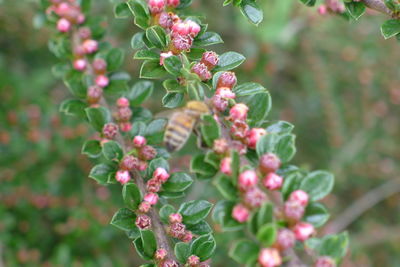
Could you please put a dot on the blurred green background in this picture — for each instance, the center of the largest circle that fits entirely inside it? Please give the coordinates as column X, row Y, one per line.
column 337, row 81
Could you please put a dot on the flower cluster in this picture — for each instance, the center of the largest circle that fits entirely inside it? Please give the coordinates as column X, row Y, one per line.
column 123, row 114
column 332, row 6
column 177, row 229
column 153, row 186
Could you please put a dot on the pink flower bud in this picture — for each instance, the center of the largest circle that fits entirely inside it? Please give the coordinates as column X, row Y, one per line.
column 322, row 10
column 247, row 179
column 255, row 197
column 143, row 222
column 293, row 210
column 173, row 3
column 240, row 213
column 84, row 33
column 239, row 129
column 124, row 114
column 153, row 185
column 152, row 198
column 227, row 79
column 123, row 102
column 253, row 136
column 299, row 196
column 285, row 239
column 160, row 254
column 175, row 218
column 90, row 46
column 325, row 261
column 225, row 92
column 193, row 261
column 94, row 94
column 129, row 163
column 202, row 71
column 220, row 146
column 225, row 166
column 102, row 81
column 110, row 130
column 219, row 103
column 142, row 165
column 269, row 163
column 80, row 64
column 139, row 141
column 122, row 176
column 165, row 20
column 180, row 29
column 269, row 257
column 210, row 59
column 239, row 112
column 193, row 27
column 81, row 18
column 63, row 25
column 156, row 6
column 147, row 153
column 144, row 207
column 177, row 230
column 161, row 175
column 273, row 181
column 125, row 126
column 62, row 9
column 170, row 263
column 79, row 51
column 303, row 231
column 182, row 42
column 187, row 237
column 99, row 66
column 163, row 56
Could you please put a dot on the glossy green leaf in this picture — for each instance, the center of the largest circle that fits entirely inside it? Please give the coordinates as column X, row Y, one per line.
column 182, row 251
column 355, row 9
column 173, row 65
column 225, row 186
column 140, row 92
column 335, row 246
column 165, row 211
column 316, row 214
column 92, row 148
column 131, row 195
column 152, row 70
column 249, row 88
column 178, row 182
column 198, row 165
column 222, row 214
column 194, row 211
column 73, row 107
column 157, row 36
column 229, row 60
column 210, row 129
column 203, row 246
column 390, row 28
column 251, row 11
column 208, row 38
column 244, row 251
column 121, row 11
column 124, row 219
column 172, row 100
column 149, row 242
column 98, row 117
column 112, row 150
column 137, row 40
column 101, row 172
column 317, row 184
column 267, row 234
column 146, row 55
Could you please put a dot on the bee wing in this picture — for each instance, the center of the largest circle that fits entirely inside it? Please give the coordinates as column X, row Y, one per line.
column 165, row 114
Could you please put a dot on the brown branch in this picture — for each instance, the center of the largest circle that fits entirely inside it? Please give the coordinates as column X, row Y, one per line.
column 379, row 6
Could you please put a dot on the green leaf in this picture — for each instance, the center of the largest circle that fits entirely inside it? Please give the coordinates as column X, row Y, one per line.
column 172, row 100
column 98, row 117
column 222, row 214
column 137, row 41
column 138, row 128
column 140, row 92
column 317, row 184
column 290, row 184
column 265, row 215
column 182, row 251
column 156, row 163
column 260, row 105
column 73, row 107
column 244, row 251
column 157, row 36
column 355, row 9
column 316, row 214
column 390, row 28
column 251, row 11
column 173, row 65
column 194, row 211
column 280, row 127
column 200, row 228
column 334, row 246
column 285, row 147
column 267, row 234
column 178, row 182
column 249, row 88
column 225, row 186
column 209, row 129
column 198, row 165
column 73, row 80
column 152, row 70
column 208, row 38
column 266, row 144
column 184, row 3
column 308, row 2
column 114, row 58
column 101, row 172
column 112, row 150
column 212, row 159
column 131, row 195
column 195, row 53
column 165, row 211
column 146, row 54
column 92, row 148
column 203, row 246
column 155, row 131
column 149, row 242
column 124, row 219
column 141, row 12
column 229, row 60
column 121, row 11
column 172, row 85
column 140, row 249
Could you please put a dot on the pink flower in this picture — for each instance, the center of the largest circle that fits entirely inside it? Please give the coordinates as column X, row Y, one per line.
column 123, row 102
column 193, row 261
column 239, row 129
column 160, row 254
column 90, row 46
column 210, row 59
column 220, row 146
column 182, row 42
column 299, row 196
column 225, row 166
column 247, row 179
column 152, row 198
column 322, row 10
column 303, row 231
column 129, row 163
column 193, row 27
column 165, row 20
column 99, row 66
column 153, row 185
column 124, row 113
column 269, row 163
column 161, row 174
column 325, row 261
column 173, row 3
column 177, row 230
column 219, row 103
column 187, row 237
column 293, row 210
column 170, row 263
column 227, row 79
column 156, row 6
column 94, row 94
column 225, row 92
column 147, row 153
column 102, row 81
column 125, row 126
column 80, row 64
column 202, row 71
column 180, row 28
column 254, row 197
column 163, row 56
column 142, row 165
column 84, row 33
column 175, row 218
column 253, row 136
column 240, row 213
column 269, row 257
column 285, row 239
column 239, row 112
column 139, row 141
column 143, row 221
column 122, row 176
column 144, row 207
column 63, row 25
column 81, row 18
column 273, row 181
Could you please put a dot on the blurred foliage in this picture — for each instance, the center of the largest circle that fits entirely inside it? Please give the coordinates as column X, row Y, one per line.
column 337, row 81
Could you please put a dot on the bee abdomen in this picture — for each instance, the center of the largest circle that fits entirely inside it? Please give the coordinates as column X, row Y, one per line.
column 178, row 131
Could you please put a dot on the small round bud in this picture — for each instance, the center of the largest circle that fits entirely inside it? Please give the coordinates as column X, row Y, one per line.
column 299, row 196
column 170, row 263
column 293, row 210
column 322, row 10
column 84, row 33
column 175, row 218
column 269, row 163
column 80, row 64
column 81, row 18
column 269, row 257
column 129, row 163
column 142, row 165
column 163, row 56
column 147, row 153
column 152, row 198
column 273, row 181
column 187, row 237
column 165, row 20
column 90, row 46
column 193, row 27
column 94, row 94
column 238, row 112
column 182, row 42
column 325, row 261
column 240, row 213
column 144, row 207
column 255, row 197
column 153, row 185
column 210, row 59
column 102, row 81
column 79, row 51
column 143, row 222
column 123, row 102
column 177, row 230
column 139, row 141
column 202, row 71
column 227, row 79
column 110, row 130
column 180, row 29
column 225, row 166
column 173, row 3
column 220, row 146
column 285, row 239
column 160, row 254
column 63, row 9
column 125, row 126
column 253, row 136
column 156, row 6
column 225, row 92
column 193, row 261
column 122, row 176
column 63, row 25
column 219, row 103
column 303, row 231
column 161, row 175
column 99, row 66
column 247, row 179
column 239, row 129
column 124, row 113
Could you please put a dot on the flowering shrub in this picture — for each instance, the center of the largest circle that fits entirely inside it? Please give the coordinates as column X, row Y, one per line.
column 246, row 156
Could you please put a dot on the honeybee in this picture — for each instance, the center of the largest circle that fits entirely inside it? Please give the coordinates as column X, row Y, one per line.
column 182, row 123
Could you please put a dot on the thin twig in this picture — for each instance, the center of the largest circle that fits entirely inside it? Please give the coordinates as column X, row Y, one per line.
column 379, row 6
